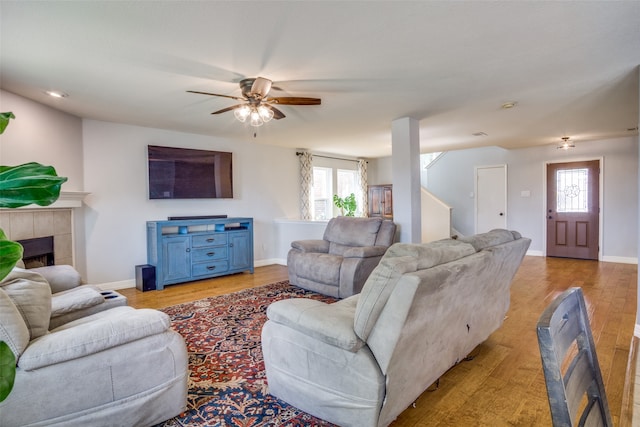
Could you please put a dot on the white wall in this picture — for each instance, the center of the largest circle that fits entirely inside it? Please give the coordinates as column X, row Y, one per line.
column 451, row 179
column 48, row 136
column 380, row 171
column 44, row 135
column 117, row 210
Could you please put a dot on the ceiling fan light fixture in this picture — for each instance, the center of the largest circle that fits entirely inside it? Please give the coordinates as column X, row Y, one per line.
column 266, row 114
column 255, row 119
column 242, row 113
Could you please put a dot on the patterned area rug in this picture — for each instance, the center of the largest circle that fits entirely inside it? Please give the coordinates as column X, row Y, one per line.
column 228, row 383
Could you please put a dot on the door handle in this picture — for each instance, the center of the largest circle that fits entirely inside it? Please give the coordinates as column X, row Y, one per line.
column 550, row 217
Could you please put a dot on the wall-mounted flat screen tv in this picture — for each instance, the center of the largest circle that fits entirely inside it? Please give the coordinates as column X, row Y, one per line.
column 185, row 173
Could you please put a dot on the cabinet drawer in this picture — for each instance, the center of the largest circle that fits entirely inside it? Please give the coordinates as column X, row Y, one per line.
column 208, row 268
column 212, row 239
column 209, row 254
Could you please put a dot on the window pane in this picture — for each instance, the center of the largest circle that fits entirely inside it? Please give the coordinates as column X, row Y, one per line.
column 322, row 197
column 572, row 190
column 346, row 182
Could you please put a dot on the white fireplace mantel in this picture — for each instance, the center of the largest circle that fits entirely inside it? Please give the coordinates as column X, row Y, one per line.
column 67, row 199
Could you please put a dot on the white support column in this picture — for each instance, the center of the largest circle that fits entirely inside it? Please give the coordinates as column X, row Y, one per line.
column 405, row 162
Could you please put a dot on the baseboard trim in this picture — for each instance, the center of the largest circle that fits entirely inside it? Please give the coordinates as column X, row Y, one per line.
column 124, row 284
column 263, row 262
column 620, row 259
column 114, row 286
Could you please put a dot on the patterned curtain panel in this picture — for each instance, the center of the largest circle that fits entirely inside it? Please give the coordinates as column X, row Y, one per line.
column 363, row 183
column 306, row 184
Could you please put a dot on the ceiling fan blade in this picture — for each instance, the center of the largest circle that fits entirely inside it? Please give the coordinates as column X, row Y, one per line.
column 217, row 94
column 261, row 86
column 277, row 114
column 293, row 100
column 224, row 110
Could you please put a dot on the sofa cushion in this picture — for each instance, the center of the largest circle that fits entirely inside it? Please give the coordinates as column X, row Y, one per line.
column 491, row 238
column 348, row 231
column 31, row 295
column 60, row 277
column 399, row 259
column 329, row 323
column 93, row 334
column 13, row 330
column 430, row 254
column 75, row 299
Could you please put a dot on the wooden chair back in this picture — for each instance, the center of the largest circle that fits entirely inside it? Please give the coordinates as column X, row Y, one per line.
column 572, row 374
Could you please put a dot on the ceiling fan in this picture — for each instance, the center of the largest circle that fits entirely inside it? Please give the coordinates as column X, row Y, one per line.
column 258, row 106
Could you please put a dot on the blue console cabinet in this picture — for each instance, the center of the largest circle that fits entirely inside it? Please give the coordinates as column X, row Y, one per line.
column 194, row 249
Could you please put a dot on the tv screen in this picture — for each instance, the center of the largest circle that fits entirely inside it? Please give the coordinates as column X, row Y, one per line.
column 185, row 173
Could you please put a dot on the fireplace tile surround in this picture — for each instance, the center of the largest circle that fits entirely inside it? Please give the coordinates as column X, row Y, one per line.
column 19, row 224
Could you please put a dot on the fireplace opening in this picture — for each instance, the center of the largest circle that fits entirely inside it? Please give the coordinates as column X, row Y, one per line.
column 38, row 252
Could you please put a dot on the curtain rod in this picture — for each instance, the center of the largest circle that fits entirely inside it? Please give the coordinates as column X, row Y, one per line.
column 298, row 153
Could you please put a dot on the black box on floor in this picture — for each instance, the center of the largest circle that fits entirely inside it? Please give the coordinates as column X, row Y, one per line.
column 145, row 277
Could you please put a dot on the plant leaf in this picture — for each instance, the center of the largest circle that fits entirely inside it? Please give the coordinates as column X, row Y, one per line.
column 29, row 183
column 4, row 120
column 10, row 253
column 7, row 370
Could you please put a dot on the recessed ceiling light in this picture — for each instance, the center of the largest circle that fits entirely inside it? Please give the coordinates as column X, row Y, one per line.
column 508, row 105
column 56, row 94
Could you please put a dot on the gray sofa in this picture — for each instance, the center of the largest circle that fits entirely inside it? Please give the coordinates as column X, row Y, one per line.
column 118, row 367
column 363, row 360
column 340, row 263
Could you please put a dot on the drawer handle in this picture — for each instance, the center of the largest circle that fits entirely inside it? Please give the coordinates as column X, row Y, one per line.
column 210, row 240
column 211, row 267
column 211, row 253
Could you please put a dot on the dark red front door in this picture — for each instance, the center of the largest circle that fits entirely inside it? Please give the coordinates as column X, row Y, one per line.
column 573, row 209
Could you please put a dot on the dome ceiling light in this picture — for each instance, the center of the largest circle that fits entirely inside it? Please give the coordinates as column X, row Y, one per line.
column 566, row 143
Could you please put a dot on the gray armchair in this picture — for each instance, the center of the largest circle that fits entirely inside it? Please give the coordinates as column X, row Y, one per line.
column 340, row 263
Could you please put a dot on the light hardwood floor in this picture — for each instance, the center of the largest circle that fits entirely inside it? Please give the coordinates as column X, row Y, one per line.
column 503, row 384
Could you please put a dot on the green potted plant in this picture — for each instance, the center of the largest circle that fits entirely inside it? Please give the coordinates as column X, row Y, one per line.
column 20, row 185
column 348, row 203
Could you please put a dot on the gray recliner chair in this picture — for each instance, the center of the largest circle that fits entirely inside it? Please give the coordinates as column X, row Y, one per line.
column 340, row 263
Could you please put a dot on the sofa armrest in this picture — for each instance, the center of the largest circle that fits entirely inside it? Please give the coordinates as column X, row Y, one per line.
column 329, row 323
column 364, row 251
column 93, row 334
column 321, row 246
column 75, row 299
column 60, row 277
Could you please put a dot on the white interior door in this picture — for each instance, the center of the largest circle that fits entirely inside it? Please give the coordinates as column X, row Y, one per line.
column 491, row 198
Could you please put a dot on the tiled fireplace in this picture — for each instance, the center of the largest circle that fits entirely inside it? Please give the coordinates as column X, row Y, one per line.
column 21, row 224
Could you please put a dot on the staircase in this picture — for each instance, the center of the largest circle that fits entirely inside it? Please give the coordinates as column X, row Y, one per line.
column 436, row 218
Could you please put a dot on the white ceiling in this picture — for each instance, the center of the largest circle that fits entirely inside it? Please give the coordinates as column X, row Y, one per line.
column 572, row 67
